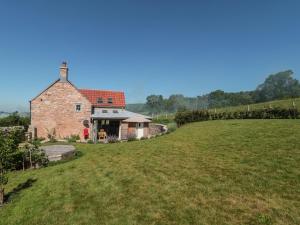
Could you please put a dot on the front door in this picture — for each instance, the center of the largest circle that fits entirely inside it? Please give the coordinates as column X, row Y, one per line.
column 140, row 130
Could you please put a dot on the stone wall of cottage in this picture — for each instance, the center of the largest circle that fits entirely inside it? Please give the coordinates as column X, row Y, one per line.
column 124, row 130
column 54, row 112
column 155, row 129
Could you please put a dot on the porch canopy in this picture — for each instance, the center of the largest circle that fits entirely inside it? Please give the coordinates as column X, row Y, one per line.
column 117, row 114
column 137, row 119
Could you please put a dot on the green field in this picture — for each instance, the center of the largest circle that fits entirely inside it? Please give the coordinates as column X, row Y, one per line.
column 215, row 172
column 286, row 103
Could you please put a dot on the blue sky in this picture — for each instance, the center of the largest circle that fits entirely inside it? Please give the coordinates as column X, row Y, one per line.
column 145, row 47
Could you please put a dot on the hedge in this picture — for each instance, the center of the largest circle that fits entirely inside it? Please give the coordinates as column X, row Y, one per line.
column 184, row 117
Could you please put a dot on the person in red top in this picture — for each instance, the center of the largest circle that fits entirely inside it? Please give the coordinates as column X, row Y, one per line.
column 86, row 133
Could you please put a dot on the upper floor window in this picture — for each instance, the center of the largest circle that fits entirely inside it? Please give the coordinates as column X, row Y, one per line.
column 104, row 111
column 100, row 100
column 78, row 107
column 110, row 100
column 115, row 111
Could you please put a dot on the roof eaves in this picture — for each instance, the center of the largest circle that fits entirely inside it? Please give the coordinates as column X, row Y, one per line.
column 45, row 89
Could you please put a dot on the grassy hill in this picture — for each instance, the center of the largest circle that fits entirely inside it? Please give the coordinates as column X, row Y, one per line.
column 215, row 172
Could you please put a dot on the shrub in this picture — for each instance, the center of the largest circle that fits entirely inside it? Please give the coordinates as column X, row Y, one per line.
column 143, row 138
column 184, row 117
column 112, row 139
column 51, row 135
column 131, row 137
column 171, row 127
column 73, row 138
column 163, row 120
column 15, row 119
column 90, row 142
column 32, row 155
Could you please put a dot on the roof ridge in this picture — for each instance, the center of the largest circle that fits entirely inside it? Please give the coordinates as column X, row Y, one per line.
column 85, row 89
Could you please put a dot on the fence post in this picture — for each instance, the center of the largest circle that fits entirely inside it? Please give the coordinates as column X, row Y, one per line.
column 294, row 106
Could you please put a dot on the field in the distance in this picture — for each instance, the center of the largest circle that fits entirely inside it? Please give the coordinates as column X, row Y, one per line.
column 166, row 118
column 285, row 103
column 215, row 172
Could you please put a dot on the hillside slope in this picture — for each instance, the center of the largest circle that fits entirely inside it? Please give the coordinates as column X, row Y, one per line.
column 216, row 172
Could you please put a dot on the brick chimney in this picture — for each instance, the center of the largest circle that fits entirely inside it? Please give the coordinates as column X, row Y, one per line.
column 63, row 72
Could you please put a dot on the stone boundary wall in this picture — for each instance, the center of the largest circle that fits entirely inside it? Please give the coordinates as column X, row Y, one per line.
column 155, row 129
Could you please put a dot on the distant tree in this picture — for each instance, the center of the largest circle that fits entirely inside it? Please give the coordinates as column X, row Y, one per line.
column 278, row 86
column 176, row 101
column 217, row 99
column 155, row 103
column 14, row 119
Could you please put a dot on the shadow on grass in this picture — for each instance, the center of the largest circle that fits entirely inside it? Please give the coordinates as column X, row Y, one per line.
column 22, row 186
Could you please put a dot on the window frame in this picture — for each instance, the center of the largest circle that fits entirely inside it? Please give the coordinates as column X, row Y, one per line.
column 80, row 107
column 110, row 100
column 100, row 100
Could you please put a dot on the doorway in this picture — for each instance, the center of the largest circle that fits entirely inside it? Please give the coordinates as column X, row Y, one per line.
column 111, row 127
column 139, row 130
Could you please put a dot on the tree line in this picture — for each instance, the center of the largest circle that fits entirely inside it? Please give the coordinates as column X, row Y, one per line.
column 281, row 85
column 15, row 119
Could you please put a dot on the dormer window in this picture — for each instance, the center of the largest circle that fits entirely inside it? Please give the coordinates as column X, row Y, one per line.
column 100, row 100
column 104, row 111
column 110, row 100
column 115, row 111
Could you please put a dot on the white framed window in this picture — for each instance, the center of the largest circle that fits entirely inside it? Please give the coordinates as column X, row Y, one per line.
column 78, row 107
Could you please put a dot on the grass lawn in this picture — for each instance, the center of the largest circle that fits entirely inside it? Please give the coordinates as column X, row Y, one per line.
column 215, row 172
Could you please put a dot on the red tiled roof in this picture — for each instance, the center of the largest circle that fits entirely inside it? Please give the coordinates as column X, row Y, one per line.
column 118, row 98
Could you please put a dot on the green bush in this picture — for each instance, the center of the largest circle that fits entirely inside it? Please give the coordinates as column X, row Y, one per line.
column 15, row 120
column 163, row 120
column 90, row 141
column 73, row 138
column 184, row 117
column 112, row 139
column 131, row 137
column 171, row 127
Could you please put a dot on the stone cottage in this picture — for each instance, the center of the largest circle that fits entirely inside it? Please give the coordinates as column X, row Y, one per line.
column 62, row 110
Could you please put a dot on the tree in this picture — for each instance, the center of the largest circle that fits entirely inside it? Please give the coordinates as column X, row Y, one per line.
column 32, row 155
column 15, row 119
column 7, row 148
column 155, row 103
column 278, row 86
